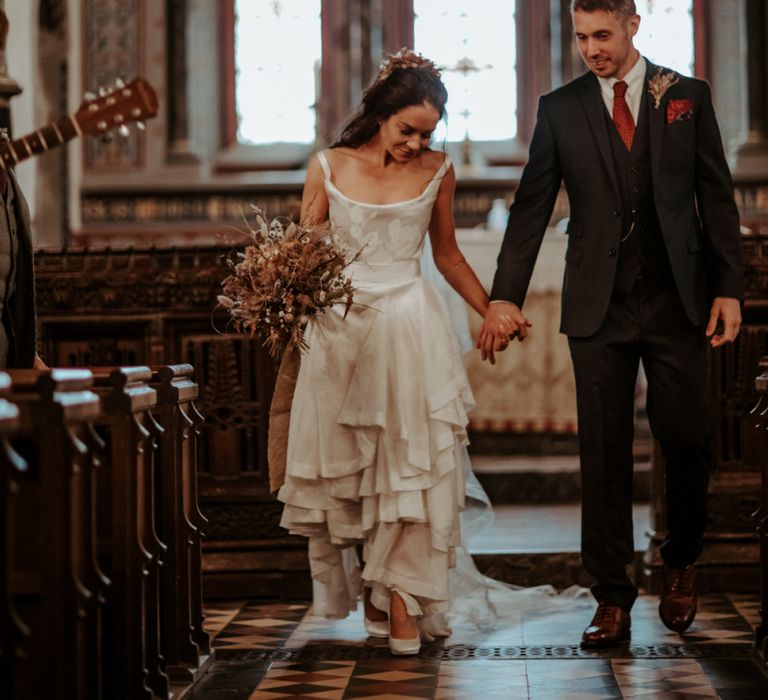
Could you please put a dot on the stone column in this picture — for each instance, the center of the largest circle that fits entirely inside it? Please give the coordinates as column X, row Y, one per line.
column 534, row 64
column 750, row 157
column 177, row 12
column 356, row 35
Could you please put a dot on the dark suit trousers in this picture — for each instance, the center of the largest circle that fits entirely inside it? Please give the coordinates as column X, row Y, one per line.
column 648, row 325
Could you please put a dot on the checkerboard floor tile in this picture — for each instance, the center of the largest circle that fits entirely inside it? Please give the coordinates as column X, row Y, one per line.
column 218, row 616
column 266, row 651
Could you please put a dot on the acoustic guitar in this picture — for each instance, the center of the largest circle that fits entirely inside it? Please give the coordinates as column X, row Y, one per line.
column 98, row 115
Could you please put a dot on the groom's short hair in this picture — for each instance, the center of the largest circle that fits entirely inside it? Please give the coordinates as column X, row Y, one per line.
column 620, row 7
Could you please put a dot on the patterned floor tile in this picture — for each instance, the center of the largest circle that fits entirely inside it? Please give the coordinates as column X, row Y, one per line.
column 748, row 606
column 313, row 680
column 571, row 678
column 491, row 678
column 282, row 651
column 405, row 677
column 651, row 678
column 229, row 681
column 266, row 626
column 218, row 616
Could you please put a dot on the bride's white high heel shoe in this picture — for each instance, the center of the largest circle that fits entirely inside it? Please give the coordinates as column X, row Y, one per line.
column 406, row 647
column 379, row 630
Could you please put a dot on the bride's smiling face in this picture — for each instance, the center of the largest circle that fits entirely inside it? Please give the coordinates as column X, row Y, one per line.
column 408, row 132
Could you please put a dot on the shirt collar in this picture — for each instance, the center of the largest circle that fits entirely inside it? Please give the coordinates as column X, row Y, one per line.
column 633, row 79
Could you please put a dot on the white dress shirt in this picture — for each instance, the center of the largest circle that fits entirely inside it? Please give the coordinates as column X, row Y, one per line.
column 635, row 81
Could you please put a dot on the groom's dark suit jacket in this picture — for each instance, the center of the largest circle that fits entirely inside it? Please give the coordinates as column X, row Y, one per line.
column 692, row 191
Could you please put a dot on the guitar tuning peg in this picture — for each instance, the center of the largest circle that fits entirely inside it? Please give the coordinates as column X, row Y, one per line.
column 103, row 91
column 119, row 83
column 124, row 131
column 89, row 96
column 141, row 126
column 106, row 138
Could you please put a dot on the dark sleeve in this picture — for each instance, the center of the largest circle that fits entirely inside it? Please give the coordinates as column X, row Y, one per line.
column 717, row 209
column 529, row 214
column 21, row 305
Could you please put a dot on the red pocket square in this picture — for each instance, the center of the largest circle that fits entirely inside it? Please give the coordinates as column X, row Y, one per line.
column 679, row 110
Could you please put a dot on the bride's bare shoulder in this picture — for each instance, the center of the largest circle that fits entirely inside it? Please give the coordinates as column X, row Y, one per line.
column 432, row 160
column 341, row 155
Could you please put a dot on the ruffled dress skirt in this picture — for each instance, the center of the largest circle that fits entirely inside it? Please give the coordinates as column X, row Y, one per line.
column 376, row 449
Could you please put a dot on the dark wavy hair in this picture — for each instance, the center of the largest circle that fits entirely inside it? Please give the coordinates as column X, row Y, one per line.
column 403, row 87
column 620, row 7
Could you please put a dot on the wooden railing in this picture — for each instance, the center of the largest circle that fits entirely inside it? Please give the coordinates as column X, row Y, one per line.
column 759, row 422
column 100, row 536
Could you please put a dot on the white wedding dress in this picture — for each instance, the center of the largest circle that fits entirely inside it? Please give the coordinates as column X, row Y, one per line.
column 377, row 439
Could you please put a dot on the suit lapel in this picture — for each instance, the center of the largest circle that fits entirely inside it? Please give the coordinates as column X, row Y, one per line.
column 655, row 122
column 592, row 101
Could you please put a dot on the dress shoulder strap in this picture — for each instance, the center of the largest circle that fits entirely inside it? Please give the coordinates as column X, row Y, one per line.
column 324, row 164
column 443, row 169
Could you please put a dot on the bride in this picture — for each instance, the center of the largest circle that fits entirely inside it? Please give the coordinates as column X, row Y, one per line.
column 376, row 468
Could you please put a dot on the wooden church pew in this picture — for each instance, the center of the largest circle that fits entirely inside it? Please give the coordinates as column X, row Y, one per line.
column 129, row 547
column 107, row 484
column 186, row 644
column 11, row 466
column 56, row 588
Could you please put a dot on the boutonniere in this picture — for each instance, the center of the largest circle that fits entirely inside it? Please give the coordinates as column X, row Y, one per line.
column 660, row 83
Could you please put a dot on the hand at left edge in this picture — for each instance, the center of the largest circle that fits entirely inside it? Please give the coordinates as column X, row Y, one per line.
column 728, row 311
column 39, row 364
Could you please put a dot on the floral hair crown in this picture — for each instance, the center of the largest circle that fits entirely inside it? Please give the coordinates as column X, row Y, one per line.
column 405, row 58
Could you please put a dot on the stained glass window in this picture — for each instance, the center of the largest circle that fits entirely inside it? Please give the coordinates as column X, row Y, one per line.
column 666, row 33
column 475, row 44
column 277, row 54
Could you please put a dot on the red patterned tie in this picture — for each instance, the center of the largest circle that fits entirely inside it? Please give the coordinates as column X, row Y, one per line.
column 622, row 117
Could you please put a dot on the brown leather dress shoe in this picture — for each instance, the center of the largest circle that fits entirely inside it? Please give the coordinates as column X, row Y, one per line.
column 677, row 608
column 610, row 626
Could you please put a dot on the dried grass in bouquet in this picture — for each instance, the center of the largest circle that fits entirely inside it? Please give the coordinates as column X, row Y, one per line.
column 287, row 275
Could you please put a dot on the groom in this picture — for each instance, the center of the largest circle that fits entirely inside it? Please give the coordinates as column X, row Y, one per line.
column 653, row 272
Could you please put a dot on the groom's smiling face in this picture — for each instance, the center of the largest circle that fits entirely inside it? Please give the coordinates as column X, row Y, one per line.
column 605, row 41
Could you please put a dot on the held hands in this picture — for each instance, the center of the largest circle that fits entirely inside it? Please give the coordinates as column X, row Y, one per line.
column 503, row 321
column 728, row 311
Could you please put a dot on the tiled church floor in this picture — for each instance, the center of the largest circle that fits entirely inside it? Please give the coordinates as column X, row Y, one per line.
column 281, row 651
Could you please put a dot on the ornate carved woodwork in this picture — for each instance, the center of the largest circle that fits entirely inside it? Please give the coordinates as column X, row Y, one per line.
column 152, row 306
column 731, row 554
column 759, row 424
column 212, row 215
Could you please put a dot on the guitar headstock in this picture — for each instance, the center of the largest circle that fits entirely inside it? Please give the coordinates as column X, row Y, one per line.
column 116, row 108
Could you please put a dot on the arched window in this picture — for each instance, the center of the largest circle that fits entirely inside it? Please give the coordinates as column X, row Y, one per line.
column 666, row 33
column 294, row 69
column 277, row 63
column 474, row 43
